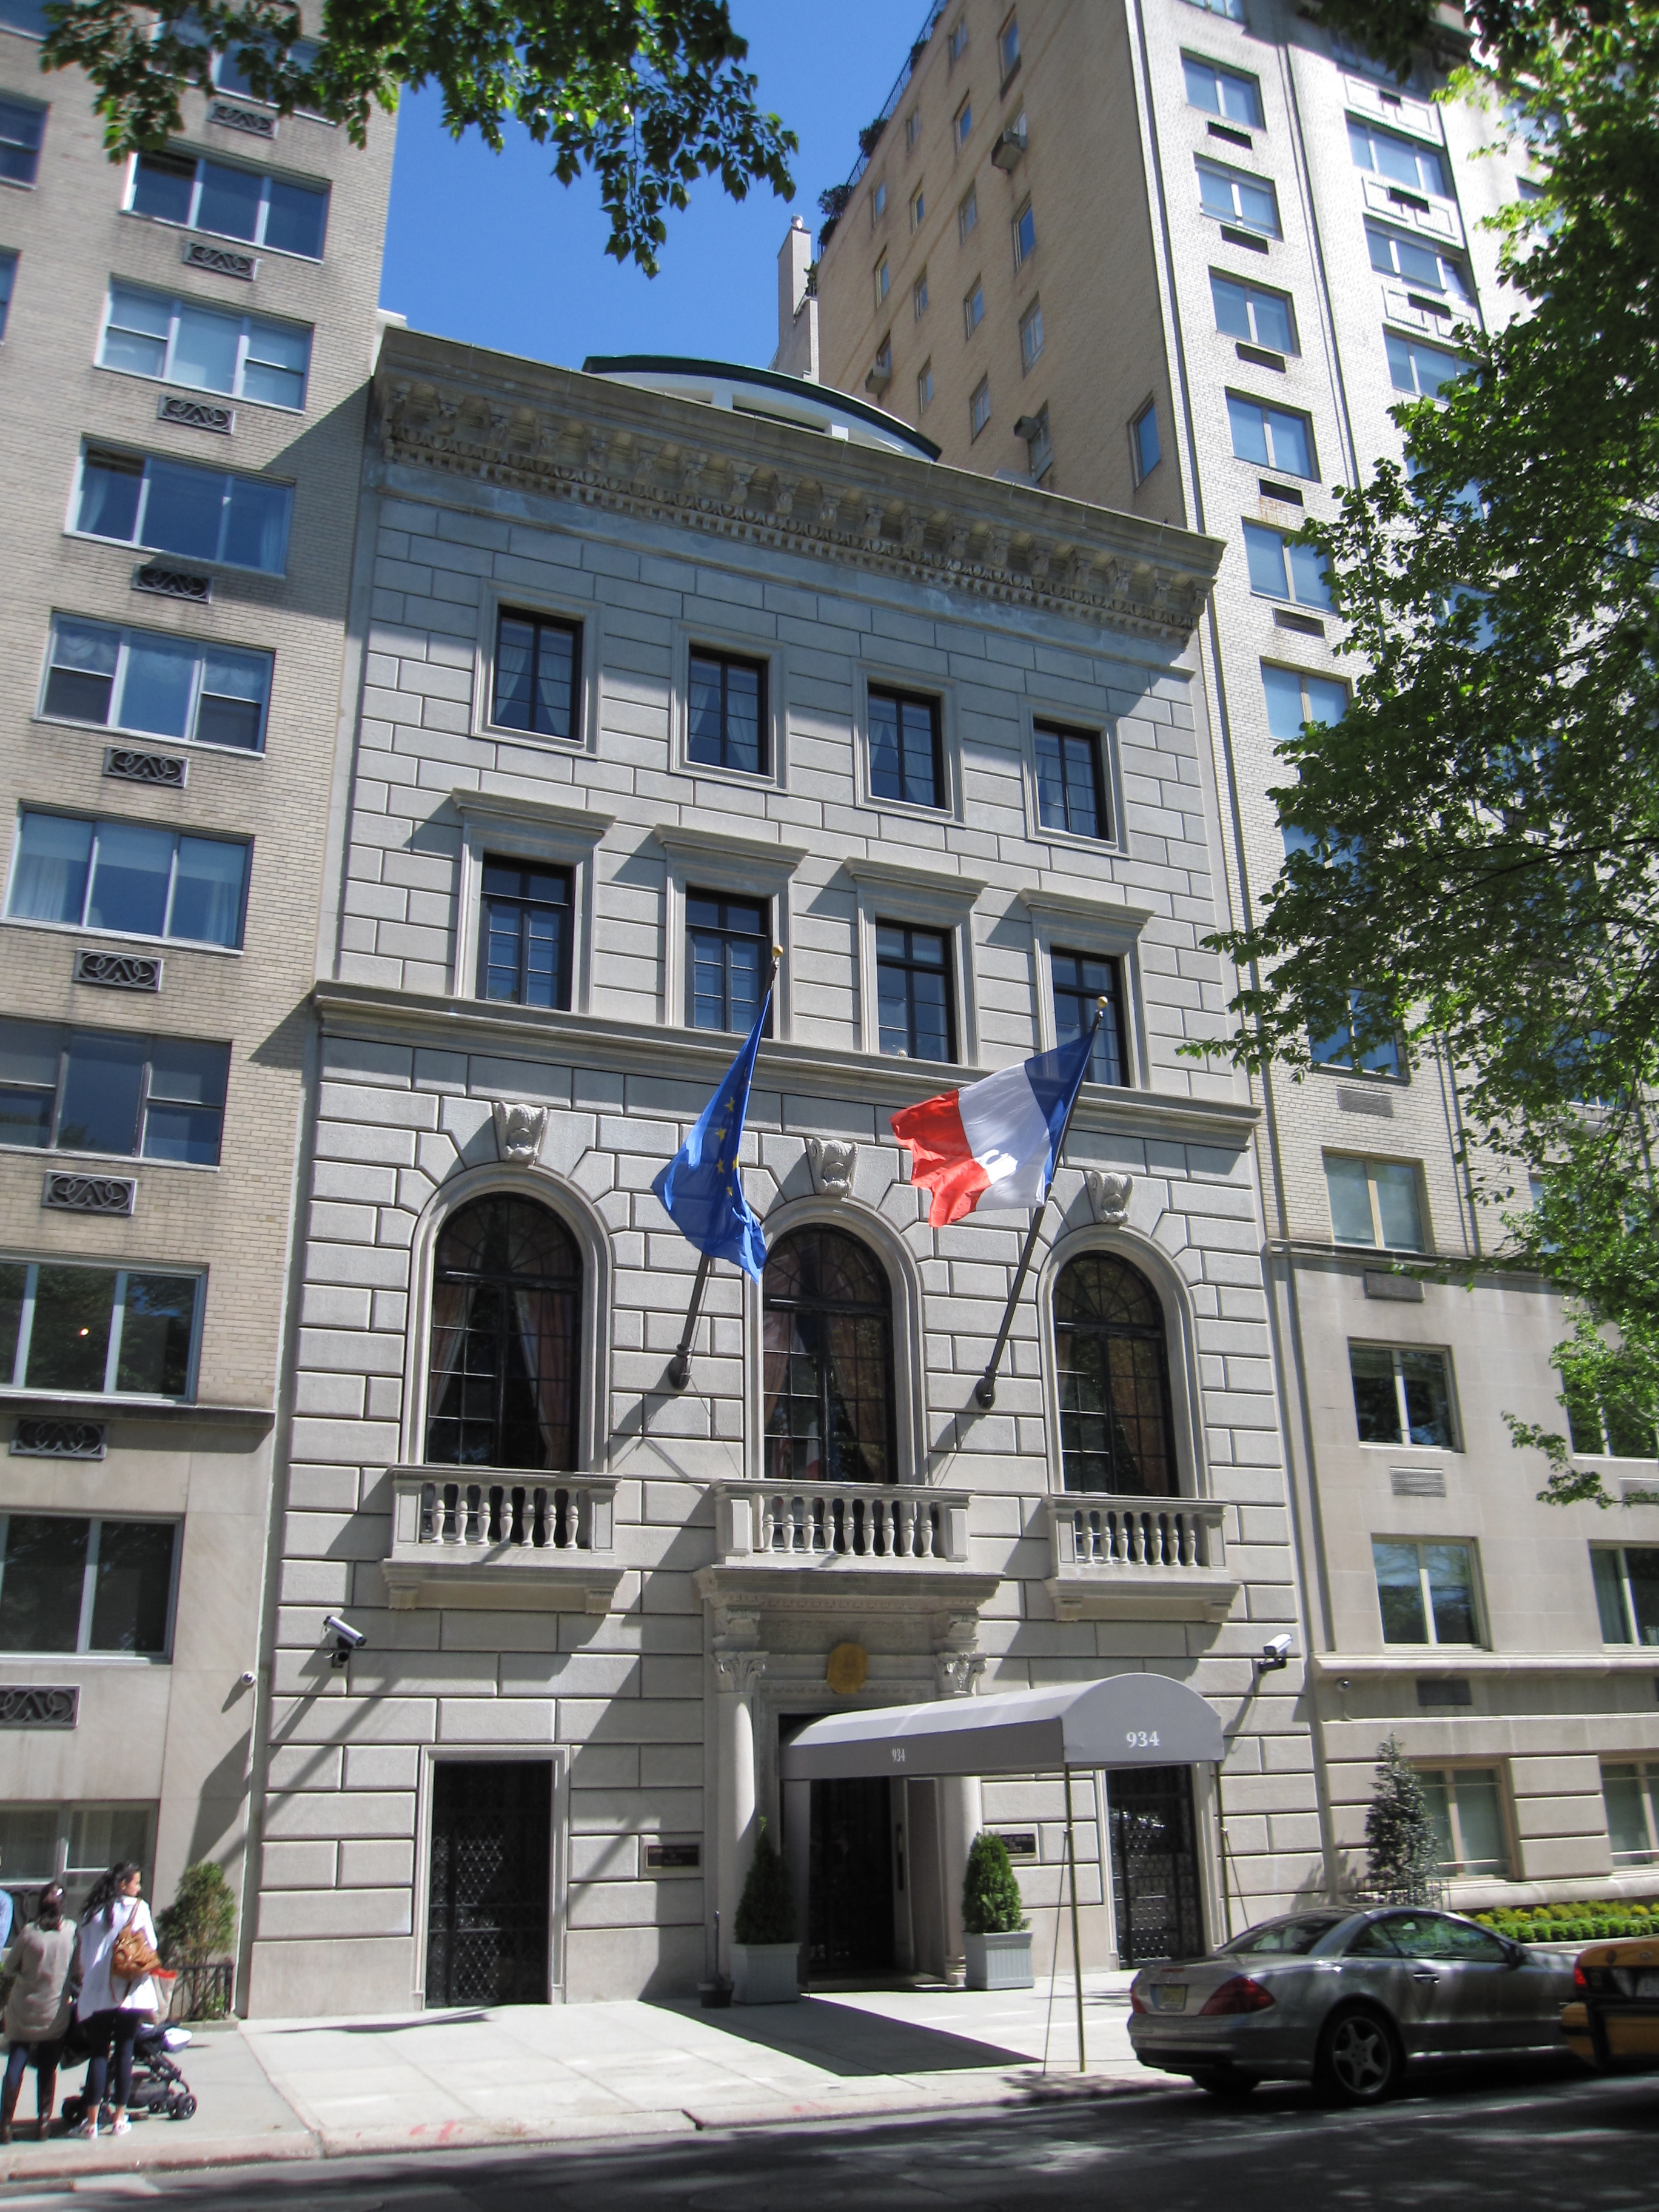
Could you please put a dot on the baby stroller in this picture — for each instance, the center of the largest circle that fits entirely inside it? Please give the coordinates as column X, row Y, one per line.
column 159, row 2089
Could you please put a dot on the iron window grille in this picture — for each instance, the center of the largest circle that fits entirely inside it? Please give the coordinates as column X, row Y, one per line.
column 728, row 948
column 129, row 878
column 915, row 1009
column 524, row 935
column 1079, row 981
column 193, row 193
column 907, row 758
column 105, row 1091
column 506, row 1331
column 1402, row 1395
column 71, row 1585
column 826, row 1335
column 152, row 685
column 174, row 506
column 1112, row 1366
column 97, row 1332
column 538, row 673
column 725, row 714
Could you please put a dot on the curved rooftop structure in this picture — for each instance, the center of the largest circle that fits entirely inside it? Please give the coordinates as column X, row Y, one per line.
column 764, row 393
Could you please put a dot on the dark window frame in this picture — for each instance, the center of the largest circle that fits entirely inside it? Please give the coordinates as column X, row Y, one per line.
column 899, row 701
column 717, row 657
column 63, row 1036
column 1113, row 1030
column 1400, row 1357
column 570, row 628
column 824, row 1308
column 1073, row 735
column 1150, row 1332
column 93, row 1565
column 907, row 964
column 525, row 904
column 728, row 935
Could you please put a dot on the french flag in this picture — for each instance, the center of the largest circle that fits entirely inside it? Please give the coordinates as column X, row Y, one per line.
column 993, row 1145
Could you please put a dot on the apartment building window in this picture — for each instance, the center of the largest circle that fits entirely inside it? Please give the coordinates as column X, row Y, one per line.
column 728, row 955
column 197, row 194
column 1071, row 781
column 1144, row 447
column 878, row 201
column 882, row 279
column 1413, row 261
column 1236, row 196
column 129, row 878
column 1008, row 47
column 963, row 124
column 1467, row 1807
column 1024, row 235
column 881, row 369
column 918, row 208
column 96, row 1331
column 103, row 1090
column 173, row 507
column 924, row 387
column 1631, row 1793
column 1253, row 313
column 156, row 686
column 956, row 44
column 1426, row 1592
column 182, row 341
column 1398, row 161
column 1603, row 1429
column 1030, row 335
column 973, row 308
column 912, row 131
column 23, row 127
column 73, row 1585
column 538, row 669
column 979, row 407
column 919, row 296
column 1626, row 1592
column 1232, row 9
column 907, row 760
column 1422, row 369
column 1271, row 437
column 72, row 1843
column 1080, row 980
column 8, row 277
column 725, row 715
column 1401, row 1396
column 1341, row 1048
column 1374, row 1202
column 1279, row 570
column 524, row 936
column 229, row 75
column 915, row 1001
column 1039, row 446
column 1223, row 91
column 967, row 214
column 1295, row 698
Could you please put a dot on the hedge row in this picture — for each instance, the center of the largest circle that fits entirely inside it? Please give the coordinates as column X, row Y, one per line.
column 1589, row 1922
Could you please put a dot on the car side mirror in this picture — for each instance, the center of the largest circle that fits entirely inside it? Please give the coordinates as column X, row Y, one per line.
column 1518, row 1953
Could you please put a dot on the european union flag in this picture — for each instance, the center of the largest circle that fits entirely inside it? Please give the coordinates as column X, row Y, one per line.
column 701, row 1187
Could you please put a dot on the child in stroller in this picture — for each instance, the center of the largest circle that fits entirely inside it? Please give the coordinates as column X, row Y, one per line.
column 158, row 2086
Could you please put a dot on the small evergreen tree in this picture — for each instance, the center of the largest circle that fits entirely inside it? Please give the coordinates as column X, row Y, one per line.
column 991, row 1902
column 766, row 1911
column 198, row 1926
column 1401, row 1843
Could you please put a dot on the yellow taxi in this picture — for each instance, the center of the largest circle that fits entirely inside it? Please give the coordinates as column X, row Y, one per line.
column 1614, row 2012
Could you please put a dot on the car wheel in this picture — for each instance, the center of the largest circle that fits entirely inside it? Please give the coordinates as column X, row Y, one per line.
column 1360, row 2061
column 1224, row 2081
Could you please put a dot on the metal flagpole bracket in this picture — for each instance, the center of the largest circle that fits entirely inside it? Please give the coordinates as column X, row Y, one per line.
column 680, row 1368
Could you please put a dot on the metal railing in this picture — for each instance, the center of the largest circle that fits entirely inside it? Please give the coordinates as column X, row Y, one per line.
column 203, row 1992
column 885, row 115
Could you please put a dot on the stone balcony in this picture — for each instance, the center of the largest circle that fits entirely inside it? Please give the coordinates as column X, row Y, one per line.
column 896, row 1547
column 501, row 1537
column 1138, row 1558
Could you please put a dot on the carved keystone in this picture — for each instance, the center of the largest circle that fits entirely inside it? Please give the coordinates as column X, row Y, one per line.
column 1109, row 1194
column 518, row 1132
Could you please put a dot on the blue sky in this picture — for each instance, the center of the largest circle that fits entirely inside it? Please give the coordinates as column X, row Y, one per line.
column 492, row 249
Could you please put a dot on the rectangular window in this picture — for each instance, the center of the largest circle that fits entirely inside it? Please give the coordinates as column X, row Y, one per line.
column 967, row 215
column 1401, row 1396
column 182, row 342
column 71, row 1585
column 1281, row 570
column 973, row 308
column 173, row 507
column 230, row 77
column 728, row 947
column 919, row 296
column 1466, row 1806
column 1071, row 786
column 1080, row 980
column 964, row 122
column 882, row 279
column 96, row 1331
column 1631, row 1793
column 1295, row 698
column 1222, row 92
column 1024, row 235
column 22, row 125
column 918, row 208
column 1039, row 446
column 72, row 1843
column 1417, row 367
column 1144, row 441
column 1253, row 313
column 878, row 201
column 957, row 45
column 1415, row 262
column 524, row 933
column 1626, row 1592
column 538, row 671
column 7, row 280
column 1400, row 162
column 1426, row 1592
column 1607, row 1431
column 906, row 758
column 924, row 387
column 726, row 713
column 156, row 686
column 261, row 210
column 1008, row 47
column 1030, row 334
column 979, row 407
column 912, row 129
column 1271, row 437
column 1340, row 1050
column 1374, row 1202
column 913, row 993
column 1232, row 9
column 129, row 878
column 101, row 1090
column 1234, row 196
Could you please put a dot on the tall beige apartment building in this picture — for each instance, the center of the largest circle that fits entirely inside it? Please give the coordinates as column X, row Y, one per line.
column 186, row 343
column 1182, row 259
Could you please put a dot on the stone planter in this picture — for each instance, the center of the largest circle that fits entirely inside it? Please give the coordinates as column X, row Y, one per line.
column 999, row 1962
column 765, row 1973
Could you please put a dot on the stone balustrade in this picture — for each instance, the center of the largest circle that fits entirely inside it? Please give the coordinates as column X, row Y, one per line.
column 866, row 1525
column 1142, row 1556
column 464, row 1535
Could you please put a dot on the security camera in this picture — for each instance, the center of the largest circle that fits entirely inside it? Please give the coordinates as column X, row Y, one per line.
column 247, row 1678
column 347, row 1640
column 1275, row 1654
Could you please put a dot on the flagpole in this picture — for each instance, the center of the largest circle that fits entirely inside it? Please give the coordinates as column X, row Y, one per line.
column 985, row 1390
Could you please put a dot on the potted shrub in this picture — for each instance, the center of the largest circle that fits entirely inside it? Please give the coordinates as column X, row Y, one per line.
column 994, row 1936
column 765, row 1944
column 194, row 1935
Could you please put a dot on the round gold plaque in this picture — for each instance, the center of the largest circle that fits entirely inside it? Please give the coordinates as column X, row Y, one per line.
column 848, row 1664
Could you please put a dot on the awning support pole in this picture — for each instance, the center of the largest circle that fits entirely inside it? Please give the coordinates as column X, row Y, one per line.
column 1077, row 1944
column 1221, row 1830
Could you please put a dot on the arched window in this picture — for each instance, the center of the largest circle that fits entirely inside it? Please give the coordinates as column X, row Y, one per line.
column 506, row 1288
column 1114, row 1430
column 829, row 1341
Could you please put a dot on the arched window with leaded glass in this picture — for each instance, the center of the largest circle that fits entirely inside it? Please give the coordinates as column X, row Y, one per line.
column 828, row 1337
column 1113, row 1374
column 502, row 1387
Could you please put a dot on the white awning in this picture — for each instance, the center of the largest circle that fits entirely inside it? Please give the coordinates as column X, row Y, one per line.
column 1127, row 1720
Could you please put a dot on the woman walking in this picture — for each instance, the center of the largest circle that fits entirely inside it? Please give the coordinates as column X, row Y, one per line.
column 117, row 1996
column 37, row 2010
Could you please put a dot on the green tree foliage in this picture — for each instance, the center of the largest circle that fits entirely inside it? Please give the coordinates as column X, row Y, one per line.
column 200, row 1923
column 646, row 94
column 991, row 1902
column 1478, row 836
column 766, row 1911
column 1401, row 1848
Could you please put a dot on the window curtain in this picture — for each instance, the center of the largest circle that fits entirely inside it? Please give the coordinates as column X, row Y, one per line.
column 544, row 1321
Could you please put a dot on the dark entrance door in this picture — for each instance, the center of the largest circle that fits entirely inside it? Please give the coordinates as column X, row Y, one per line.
column 492, row 1854
column 1154, row 1863
column 850, row 1886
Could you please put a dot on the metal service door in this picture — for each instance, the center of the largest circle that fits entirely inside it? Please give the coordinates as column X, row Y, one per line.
column 487, row 1916
column 1155, row 1884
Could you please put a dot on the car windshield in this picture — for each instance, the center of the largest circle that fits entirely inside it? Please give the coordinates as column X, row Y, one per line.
column 1293, row 1937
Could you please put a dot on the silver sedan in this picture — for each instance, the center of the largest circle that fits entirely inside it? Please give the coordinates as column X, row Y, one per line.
column 1346, row 2000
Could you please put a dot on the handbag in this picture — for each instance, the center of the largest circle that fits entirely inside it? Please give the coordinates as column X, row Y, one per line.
column 133, row 1957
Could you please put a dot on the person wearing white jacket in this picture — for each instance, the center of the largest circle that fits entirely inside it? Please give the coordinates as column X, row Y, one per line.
column 111, row 2009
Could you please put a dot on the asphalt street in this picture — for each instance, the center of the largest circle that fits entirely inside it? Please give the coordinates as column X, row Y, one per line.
column 1545, row 2138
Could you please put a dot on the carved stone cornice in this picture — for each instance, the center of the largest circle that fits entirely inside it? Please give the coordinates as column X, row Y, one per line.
column 531, row 427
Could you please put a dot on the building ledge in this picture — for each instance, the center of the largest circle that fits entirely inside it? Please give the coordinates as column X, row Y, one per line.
column 1434, row 1660
column 80, row 1406
column 502, row 1539
column 1138, row 1558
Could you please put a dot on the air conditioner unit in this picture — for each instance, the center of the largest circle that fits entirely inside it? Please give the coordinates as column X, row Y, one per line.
column 879, row 377
column 1009, row 148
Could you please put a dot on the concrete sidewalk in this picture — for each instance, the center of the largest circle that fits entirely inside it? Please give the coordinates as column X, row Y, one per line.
column 546, row 2074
